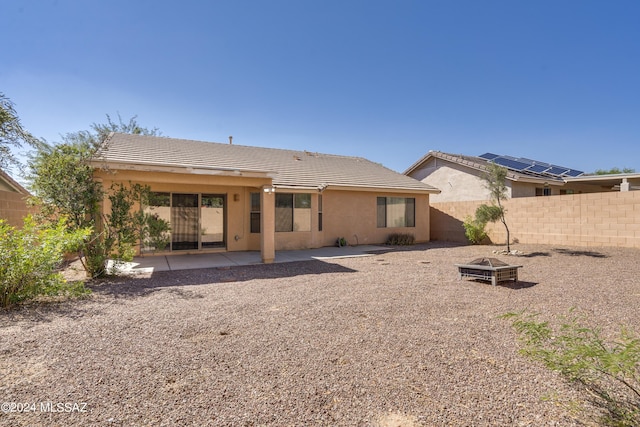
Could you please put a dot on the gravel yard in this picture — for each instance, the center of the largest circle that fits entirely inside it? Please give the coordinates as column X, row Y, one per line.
column 390, row 339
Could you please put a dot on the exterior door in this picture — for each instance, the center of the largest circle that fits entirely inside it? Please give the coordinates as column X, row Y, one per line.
column 184, row 222
column 212, row 221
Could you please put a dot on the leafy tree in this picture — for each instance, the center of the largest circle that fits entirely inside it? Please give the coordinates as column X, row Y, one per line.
column 30, row 257
column 62, row 180
column 613, row 171
column 12, row 134
column 495, row 182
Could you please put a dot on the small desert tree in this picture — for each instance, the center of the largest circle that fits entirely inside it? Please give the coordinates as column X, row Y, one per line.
column 62, row 180
column 495, row 182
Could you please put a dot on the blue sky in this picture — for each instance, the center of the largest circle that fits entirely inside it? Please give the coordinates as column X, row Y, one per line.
column 557, row 81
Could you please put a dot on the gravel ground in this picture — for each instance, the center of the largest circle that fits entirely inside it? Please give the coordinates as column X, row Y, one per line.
column 388, row 340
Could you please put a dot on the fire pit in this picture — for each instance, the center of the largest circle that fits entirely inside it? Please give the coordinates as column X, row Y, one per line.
column 490, row 269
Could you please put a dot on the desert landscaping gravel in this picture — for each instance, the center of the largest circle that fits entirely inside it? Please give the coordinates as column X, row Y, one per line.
column 391, row 339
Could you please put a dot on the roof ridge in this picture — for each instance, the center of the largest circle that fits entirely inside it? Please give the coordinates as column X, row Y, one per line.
column 198, row 141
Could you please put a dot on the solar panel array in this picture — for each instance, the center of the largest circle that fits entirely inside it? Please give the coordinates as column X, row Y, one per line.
column 521, row 164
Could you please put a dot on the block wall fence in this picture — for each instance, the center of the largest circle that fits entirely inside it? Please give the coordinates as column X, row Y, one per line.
column 592, row 219
column 13, row 208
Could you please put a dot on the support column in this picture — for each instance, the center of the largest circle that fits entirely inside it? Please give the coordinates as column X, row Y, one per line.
column 268, row 224
column 624, row 185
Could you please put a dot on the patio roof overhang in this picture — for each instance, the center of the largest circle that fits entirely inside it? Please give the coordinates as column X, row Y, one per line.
column 185, row 169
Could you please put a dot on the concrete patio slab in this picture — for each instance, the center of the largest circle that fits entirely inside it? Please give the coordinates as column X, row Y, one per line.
column 150, row 263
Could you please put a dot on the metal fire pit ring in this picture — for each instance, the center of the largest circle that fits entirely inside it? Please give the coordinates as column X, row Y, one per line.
column 490, row 269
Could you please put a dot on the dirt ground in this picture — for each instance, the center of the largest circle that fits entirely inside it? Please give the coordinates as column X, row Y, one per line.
column 393, row 339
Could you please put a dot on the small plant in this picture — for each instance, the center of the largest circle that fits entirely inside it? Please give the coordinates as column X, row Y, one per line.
column 401, row 239
column 30, row 257
column 341, row 242
column 474, row 229
column 609, row 371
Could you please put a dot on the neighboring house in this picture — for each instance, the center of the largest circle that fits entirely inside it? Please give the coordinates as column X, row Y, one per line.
column 13, row 206
column 459, row 177
column 225, row 197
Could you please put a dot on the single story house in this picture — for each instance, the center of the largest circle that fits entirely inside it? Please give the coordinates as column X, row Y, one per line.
column 459, row 177
column 228, row 197
column 13, row 205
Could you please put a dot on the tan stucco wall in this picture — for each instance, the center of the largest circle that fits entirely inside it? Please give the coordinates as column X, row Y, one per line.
column 455, row 182
column 353, row 215
column 348, row 214
column 13, row 208
column 593, row 219
column 237, row 210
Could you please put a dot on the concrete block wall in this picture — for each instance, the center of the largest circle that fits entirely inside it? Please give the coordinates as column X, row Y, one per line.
column 593, row 219
column 13, row 208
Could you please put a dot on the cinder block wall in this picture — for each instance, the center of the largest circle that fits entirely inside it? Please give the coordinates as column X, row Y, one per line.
column 594, row 219
column 13, row 208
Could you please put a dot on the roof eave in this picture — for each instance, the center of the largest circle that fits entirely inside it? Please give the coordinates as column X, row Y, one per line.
column 177, row 168
column 380, row 188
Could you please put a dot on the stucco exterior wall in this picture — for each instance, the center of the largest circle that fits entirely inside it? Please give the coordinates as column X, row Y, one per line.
column 348, row 214
column 353, row 215
column 455, row 182
column 591, row 219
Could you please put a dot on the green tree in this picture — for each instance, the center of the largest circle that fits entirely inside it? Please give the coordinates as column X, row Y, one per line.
column 613, row 171
column 12, row 133
column 495, row 182
column 30, row 257
column 61, row 178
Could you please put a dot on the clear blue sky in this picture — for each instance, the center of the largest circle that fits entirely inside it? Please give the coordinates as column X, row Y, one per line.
column 557, row 81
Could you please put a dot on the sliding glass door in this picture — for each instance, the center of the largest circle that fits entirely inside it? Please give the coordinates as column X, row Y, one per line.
column 184, row 221
column 212, row 221
column 198, row 221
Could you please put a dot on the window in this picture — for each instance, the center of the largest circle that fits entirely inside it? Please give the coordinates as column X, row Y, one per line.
column 546, row 191
column 396, row 212
column 255, row 213
column 320, row 212
column 293, row 212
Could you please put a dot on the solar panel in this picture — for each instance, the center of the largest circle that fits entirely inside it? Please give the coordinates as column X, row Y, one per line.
column 511, row 164
column 537, row 168
column 533, row 162
column 522, row 164
column 557, row 170
column 574, row 173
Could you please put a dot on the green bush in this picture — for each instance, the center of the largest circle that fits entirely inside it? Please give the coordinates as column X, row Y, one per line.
column 474, row 230
column 30, row 257
column 608, row 371
column 401, row 239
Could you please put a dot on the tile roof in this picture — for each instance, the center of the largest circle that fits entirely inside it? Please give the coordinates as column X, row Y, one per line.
column 288, row 168
column 5, row 177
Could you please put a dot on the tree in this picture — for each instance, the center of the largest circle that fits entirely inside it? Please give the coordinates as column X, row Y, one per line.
column 61, row 179
column 12, row 134
column 613, row 171
column 495, row 182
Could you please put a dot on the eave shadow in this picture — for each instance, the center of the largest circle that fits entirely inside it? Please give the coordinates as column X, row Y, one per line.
column 127, row 286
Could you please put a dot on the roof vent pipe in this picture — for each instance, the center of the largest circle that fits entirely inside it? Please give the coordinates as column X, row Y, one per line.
column 230, row 140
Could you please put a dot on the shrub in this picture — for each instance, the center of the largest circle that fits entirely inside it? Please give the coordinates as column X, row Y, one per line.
column 401, row 239
column 30, row 257
column 474, row 230
column 608, row 371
